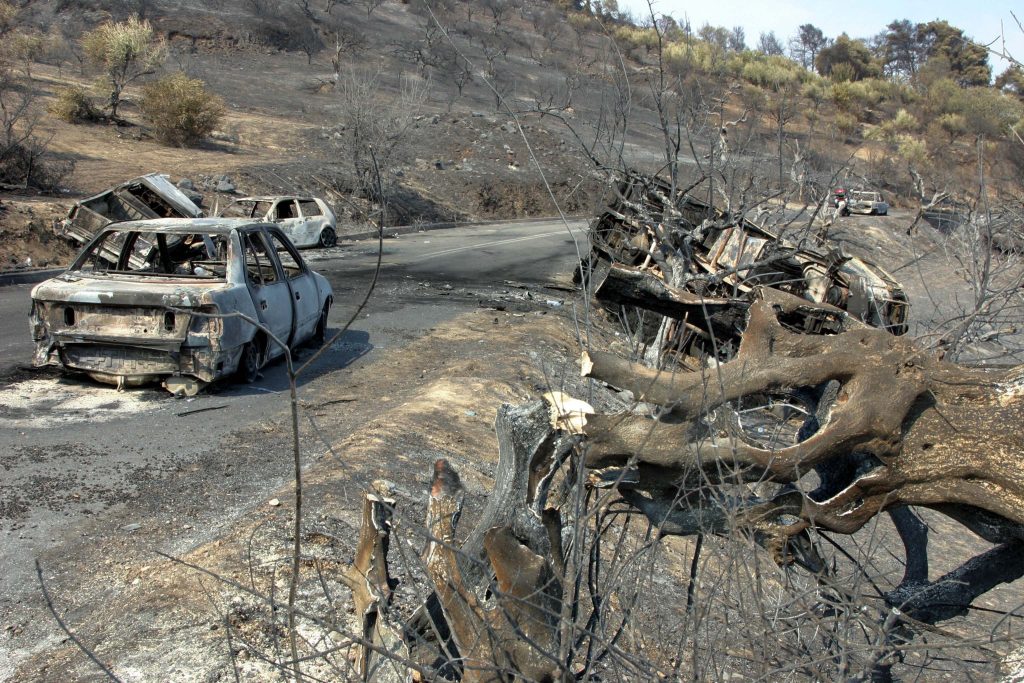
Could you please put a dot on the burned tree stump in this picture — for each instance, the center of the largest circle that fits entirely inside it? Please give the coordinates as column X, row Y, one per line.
column 369, row 579
column 494, row 610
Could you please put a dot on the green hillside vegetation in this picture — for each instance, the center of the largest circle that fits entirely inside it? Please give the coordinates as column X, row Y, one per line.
column 914, row 101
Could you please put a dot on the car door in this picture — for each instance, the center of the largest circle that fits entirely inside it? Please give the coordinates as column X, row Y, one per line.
column 305, row 296
column 287, row 217
column 312, row 221
column 271, row 293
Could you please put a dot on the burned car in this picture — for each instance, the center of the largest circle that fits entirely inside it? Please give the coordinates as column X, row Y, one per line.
column 867, row 202
column 145, row 197
column 701, row 265
column 127, row 320
column 308, row 221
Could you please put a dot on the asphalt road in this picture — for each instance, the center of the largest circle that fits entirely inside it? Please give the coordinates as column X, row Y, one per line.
column 82, row 463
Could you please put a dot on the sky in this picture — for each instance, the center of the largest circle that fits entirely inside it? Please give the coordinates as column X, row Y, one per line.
column 982, row 20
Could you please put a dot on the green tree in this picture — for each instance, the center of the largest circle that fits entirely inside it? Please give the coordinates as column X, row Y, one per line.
column 1011, row 81
column 769, row 44
column 853, row 53
column 968, row 61
column 124, row 51
column 901, row 50
column 737, row 39
column 806, row 45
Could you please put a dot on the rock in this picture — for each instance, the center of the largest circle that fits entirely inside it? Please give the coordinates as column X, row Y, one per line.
column 225, row 185
column 274, row 502
column 478, row 115
column 186, row 184
column 439, row 164
column 196, row 198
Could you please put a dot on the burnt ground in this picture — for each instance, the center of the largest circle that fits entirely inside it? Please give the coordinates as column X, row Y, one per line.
column 153, row 620
column 433, row 396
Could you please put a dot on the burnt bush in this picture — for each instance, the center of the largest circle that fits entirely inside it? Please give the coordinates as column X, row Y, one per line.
column 507, row 199
column 502, row 199
column 27, row 164
column 280, row 26
column 25, row 161
column 74, row 105
column 180, row 110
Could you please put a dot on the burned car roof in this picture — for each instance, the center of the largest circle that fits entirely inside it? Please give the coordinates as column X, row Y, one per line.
column 211, row 226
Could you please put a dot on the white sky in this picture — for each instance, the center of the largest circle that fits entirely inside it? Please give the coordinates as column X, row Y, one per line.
column 983, row 20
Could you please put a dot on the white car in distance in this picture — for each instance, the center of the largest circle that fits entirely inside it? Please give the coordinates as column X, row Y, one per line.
column 867, row 202
column 307, row 221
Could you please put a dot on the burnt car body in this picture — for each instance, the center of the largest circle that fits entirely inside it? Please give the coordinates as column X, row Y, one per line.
column 146, row 197
column 126, row 319
column 726, row 260
column 308, row 221
column 867, row 202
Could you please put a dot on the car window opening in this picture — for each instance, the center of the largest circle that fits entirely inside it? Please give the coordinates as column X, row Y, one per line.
column 190, row 255
column 286, row 210
column 258, row 268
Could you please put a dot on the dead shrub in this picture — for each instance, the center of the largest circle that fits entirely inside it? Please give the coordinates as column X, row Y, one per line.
column 510, row 199
column 180, row 110
column 74, row 105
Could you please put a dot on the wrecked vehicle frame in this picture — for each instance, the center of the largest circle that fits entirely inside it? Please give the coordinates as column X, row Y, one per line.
column 132, row 320
column 147, row 197
column 654, row 242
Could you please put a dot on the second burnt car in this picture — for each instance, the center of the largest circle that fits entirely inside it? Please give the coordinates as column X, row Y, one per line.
column 308, row 221
column 141, row 303
column 649, row 228
column 150, row 196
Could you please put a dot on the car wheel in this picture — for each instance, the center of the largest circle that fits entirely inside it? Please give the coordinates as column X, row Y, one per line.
column 328, row 238
column 883, row 213
column 249, row 363
column 320, row 333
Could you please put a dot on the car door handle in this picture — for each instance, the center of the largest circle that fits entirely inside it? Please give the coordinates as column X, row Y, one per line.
column 298, row 296
column 263, row 304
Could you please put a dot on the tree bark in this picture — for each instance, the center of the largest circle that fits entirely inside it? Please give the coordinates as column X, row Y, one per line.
column 919, row 417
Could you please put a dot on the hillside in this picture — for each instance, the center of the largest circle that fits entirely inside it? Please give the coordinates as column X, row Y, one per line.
column 445, row 86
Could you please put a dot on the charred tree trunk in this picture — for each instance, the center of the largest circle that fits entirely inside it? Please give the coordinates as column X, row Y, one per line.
column 494, row 613
column 371, row 584
column 917, row 417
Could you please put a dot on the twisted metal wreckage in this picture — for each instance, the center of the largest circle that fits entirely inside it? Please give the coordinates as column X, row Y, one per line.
column 806, row 342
